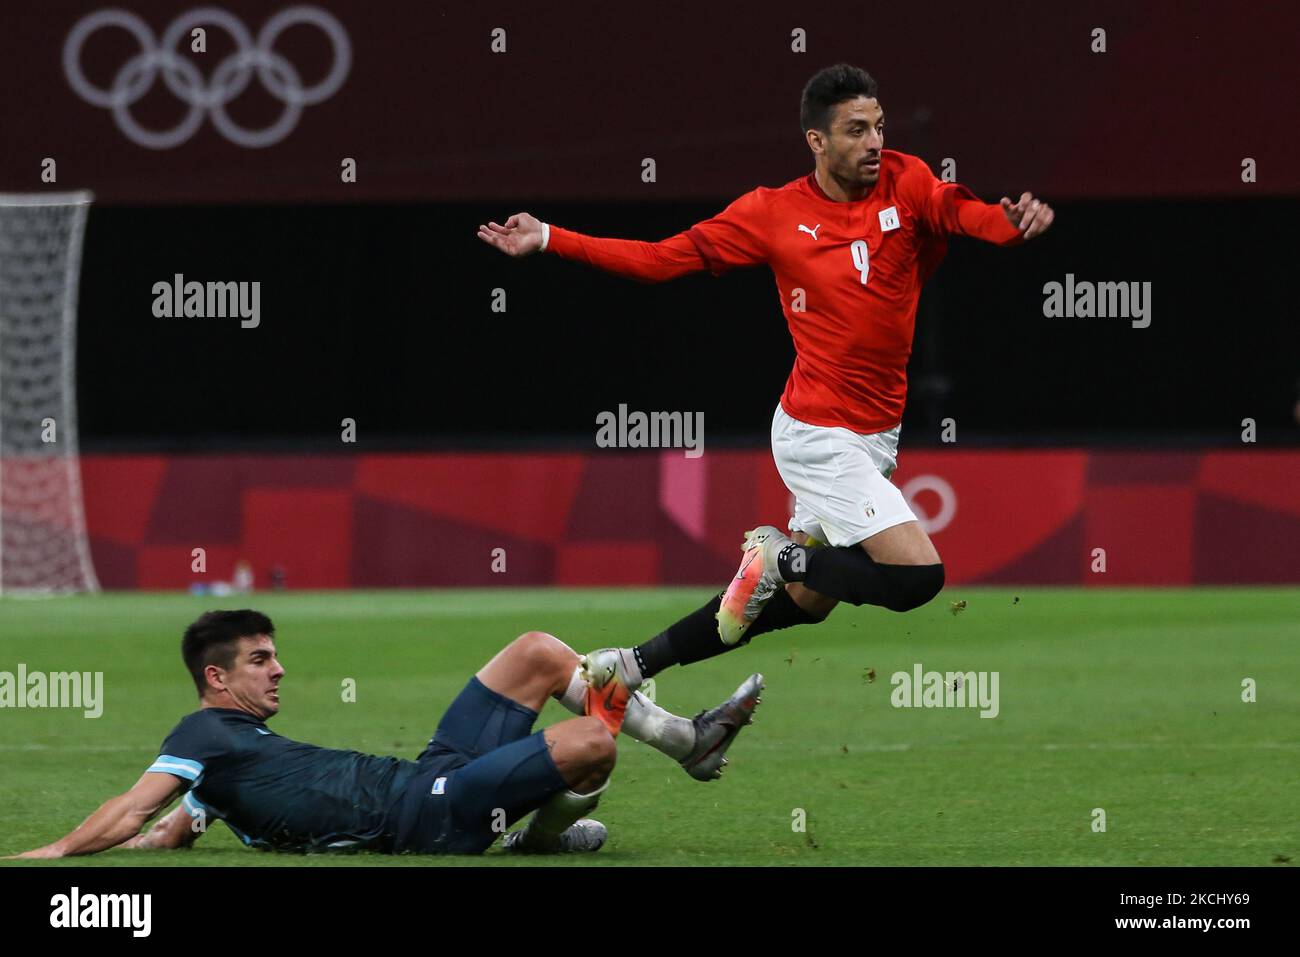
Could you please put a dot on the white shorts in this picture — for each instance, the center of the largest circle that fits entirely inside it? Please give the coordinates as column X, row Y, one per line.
column 839, row 479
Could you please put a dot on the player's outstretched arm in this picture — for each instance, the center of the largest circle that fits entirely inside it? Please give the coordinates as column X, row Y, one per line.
column 949, row 209
column 1031, row 216
column 118, row 819
column 520, row 236
column 729, row 239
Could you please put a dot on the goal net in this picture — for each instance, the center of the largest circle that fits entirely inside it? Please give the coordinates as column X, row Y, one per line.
column 44, row 548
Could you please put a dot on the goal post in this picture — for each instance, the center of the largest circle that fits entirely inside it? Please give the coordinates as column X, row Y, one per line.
column 44, row 546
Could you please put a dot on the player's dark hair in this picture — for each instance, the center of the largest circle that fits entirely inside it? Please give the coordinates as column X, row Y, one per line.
column 830, row 86
column 213, row 639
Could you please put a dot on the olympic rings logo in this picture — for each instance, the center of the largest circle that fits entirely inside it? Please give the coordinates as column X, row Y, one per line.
column 230, row 79
column 932, row 524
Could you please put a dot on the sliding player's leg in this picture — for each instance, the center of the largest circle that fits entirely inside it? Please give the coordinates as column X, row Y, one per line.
column 448, row 808
column 537, row 666
column 605, row 684
column 460, row 806
column 532, row 668
column 486, row 768
column 699, row 745
column 505, row 784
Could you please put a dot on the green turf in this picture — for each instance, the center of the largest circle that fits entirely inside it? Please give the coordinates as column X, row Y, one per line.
column 1126, row 700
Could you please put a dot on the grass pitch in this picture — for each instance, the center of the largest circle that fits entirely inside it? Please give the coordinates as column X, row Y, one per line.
column 1125, row 700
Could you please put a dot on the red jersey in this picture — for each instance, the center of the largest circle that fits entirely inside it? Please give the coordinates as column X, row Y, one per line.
column 849, row 276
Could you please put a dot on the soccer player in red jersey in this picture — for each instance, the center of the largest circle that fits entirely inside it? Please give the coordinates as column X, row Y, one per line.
column 850, row 245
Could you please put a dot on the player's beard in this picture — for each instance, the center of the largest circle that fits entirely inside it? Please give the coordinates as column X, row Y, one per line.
column 866, row 175
column 853, row 171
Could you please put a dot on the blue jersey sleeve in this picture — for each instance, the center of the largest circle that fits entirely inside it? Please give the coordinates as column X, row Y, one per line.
column 193, row 746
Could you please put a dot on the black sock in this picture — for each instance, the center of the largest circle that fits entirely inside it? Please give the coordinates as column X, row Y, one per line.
column 677, row 643
column 792, row 562
column 850, row 574
column 695, row 637
column 781, row 611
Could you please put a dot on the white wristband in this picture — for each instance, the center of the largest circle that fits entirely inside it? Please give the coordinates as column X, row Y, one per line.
column 546, row 236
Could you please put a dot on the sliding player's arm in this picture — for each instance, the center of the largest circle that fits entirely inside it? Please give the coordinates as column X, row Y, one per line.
column 173, row 831
column 119, row 819
column 732, row 238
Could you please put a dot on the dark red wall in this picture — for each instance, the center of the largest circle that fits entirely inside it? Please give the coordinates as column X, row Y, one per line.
column 711, row 91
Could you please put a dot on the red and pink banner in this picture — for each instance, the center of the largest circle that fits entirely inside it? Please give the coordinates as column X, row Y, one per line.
column 614, row 518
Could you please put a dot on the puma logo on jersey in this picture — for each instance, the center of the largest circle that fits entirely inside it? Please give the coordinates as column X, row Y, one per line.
column 811, row 232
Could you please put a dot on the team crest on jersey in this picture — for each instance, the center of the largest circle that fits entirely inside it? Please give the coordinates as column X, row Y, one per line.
column 888, row 219
column 439, row 786
column 869, row 507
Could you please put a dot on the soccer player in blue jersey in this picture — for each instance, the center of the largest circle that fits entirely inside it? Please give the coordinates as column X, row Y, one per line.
column 484, row 769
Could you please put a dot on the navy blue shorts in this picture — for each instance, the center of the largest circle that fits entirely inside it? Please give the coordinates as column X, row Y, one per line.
column 483, row 770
